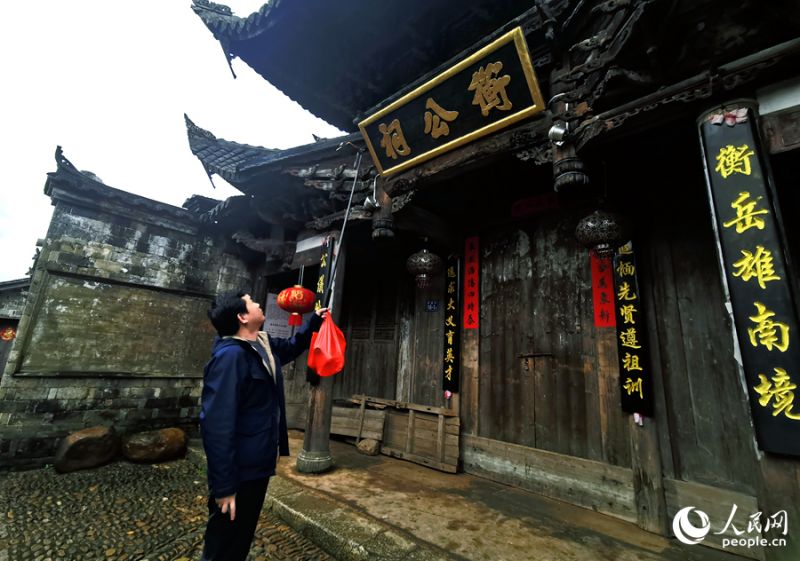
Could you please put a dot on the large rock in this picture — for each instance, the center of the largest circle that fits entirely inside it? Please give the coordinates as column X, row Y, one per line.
column 86, row 448
column 369, row 446
column 155, row 446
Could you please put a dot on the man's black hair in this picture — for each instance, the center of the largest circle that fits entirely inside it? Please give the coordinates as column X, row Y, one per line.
column 224, row 311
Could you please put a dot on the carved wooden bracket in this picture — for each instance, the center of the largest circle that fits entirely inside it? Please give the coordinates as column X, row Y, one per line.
column 273, row 249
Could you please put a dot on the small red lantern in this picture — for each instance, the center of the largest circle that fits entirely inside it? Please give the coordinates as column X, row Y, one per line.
column 297, row 301
column 8, row 334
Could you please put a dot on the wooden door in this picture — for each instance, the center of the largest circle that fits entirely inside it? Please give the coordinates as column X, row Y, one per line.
column 371, row 326
column 427, row 342
column 541, row 410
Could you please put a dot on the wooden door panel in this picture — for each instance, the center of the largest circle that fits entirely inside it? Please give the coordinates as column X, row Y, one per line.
column 371, row 327
column 428, row 350
column 548, row 377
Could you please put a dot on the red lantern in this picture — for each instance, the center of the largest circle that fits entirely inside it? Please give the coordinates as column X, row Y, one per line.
column 297, row 301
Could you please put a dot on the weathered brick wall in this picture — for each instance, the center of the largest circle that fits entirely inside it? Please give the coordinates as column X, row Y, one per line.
column 114, row 330
column 38, row 412
column 12, row 302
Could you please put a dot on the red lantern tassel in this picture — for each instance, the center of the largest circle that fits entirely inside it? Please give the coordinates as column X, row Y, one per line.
column 295, row 319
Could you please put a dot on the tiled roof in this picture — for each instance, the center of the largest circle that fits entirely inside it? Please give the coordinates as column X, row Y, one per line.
column 224, row 25
column 240, row 164
column 338, row 59
column 72, row 180
column 15, row 284
column 223, row 157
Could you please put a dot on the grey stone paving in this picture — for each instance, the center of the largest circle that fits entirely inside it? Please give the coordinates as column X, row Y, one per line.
column 123, row 512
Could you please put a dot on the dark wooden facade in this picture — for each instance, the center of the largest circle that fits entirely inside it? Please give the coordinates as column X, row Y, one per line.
column 12, row 301
column 539, row 399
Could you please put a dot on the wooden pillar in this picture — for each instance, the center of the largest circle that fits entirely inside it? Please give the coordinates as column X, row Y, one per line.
column 778, row 490
column 470, row 381
column 405, row 347
column 315, row 457
column 648, row 484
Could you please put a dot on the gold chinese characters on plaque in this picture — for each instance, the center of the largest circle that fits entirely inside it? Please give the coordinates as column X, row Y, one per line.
column 487, row 91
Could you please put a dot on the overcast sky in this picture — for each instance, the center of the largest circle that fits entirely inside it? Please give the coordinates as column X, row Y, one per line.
column 110, row 81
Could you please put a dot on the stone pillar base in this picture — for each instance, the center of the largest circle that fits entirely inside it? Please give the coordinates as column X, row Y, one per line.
column 314, row 462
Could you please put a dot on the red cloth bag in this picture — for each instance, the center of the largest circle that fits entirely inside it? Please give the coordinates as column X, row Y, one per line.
column 326, row 354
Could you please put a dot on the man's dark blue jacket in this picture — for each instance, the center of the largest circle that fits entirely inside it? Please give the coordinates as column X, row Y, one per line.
column 243, row 413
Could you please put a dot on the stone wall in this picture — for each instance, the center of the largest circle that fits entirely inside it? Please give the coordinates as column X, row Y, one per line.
column 12, row 298
column 114, row 330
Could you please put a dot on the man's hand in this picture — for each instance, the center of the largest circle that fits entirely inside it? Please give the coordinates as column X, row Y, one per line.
column 227, row 503
column 322, row 312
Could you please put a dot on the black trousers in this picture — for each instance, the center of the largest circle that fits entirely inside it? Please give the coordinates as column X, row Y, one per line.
column 228, row 540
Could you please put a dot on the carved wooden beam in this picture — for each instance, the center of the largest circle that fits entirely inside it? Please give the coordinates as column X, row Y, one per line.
column 278, row 254
column 327, row 221
column 319, row 171
column 529, row 136
column 592, row 59
column 334, row 185
column 279, row 211
column 316, row 171
column 333, row 179
column 701, row 86
column 356, row 213
column 271, row 247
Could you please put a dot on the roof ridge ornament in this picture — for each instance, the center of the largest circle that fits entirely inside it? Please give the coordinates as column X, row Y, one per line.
column 217, row 17
column 65, row 166
column 221, row 9
column 192, row 128
column 63, row 163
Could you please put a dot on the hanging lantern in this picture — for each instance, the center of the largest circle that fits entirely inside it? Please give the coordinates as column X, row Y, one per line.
column 297, row 301
column 8, row 334
column 602, row 232
column 423, row 265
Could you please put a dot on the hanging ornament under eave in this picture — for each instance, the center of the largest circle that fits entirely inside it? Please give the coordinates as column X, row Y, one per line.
column 297, row 301
column 602, row 232
column 423, row 265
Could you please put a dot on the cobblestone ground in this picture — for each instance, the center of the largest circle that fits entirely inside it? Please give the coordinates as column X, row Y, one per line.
column 122, row 512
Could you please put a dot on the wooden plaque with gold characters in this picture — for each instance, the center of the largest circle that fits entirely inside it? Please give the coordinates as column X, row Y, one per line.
column 487, row 91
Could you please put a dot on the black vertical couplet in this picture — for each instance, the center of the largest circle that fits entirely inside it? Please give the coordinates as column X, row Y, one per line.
column 751, row 255
column 322, row 291
column 636, row 378
column 452, row 325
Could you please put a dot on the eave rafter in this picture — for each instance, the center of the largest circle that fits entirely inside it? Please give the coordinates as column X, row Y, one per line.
column 274, row 249
column 357, row 213
column 335, row 179
column 727, row 77
column 629, row 58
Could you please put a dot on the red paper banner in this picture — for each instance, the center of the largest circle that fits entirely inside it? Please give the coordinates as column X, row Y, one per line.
column 471, row 283
column 603, row 292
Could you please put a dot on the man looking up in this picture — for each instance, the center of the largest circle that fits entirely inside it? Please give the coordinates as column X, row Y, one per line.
column 243, row 419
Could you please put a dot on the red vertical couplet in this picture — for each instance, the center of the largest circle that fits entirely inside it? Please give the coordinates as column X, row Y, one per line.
column 603, row 292
column 471, row 283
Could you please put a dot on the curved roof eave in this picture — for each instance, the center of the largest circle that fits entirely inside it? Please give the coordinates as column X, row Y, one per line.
column 223, row 157
column 240, row 164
